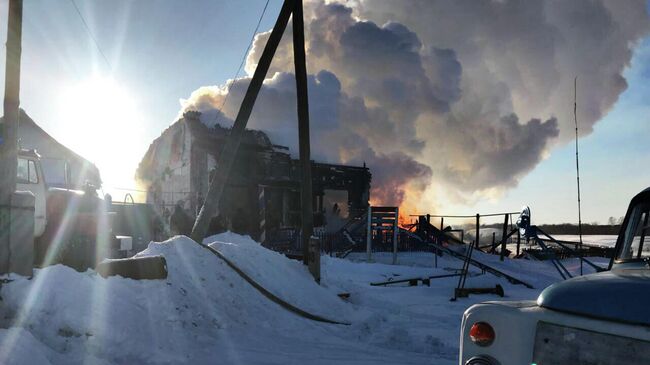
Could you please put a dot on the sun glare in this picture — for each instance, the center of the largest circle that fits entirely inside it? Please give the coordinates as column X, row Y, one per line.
column 101, row 123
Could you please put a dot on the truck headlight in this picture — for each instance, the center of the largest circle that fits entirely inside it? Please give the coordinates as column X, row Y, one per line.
column 482, row 360
column 482, row 334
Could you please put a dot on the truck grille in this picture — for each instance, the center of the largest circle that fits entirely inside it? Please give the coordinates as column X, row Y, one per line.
column 559, row 345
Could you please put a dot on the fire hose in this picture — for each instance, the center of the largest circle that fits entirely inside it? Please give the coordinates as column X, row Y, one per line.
column 272, row 297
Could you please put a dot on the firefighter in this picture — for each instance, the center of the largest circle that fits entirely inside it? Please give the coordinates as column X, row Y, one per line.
column 240, row 222
column 336, row 211
column 180, row 223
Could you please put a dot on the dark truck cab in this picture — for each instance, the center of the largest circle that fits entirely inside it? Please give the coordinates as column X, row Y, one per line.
column 596, row 319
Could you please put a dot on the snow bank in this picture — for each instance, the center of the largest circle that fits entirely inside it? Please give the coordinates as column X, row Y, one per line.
column 20, row 347
column 205, row 313
column 288, row 279
column 202, row 308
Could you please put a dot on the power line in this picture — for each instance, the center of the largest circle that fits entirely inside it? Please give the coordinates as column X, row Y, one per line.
column 243, row 60
column 575, row 119
column 90, row 34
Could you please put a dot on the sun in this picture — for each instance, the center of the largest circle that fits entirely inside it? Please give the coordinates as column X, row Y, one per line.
column 101, row 122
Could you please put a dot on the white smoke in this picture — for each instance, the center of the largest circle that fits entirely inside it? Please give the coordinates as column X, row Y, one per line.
column 460, row 97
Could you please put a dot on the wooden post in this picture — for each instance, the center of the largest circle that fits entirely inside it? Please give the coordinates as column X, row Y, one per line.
column 395, row 235
column 227, row 156
column 369, row 234
column 518, row 240
column 9, row 129
column 303, row 126
column 442, row 223
column 9, row 125
column 314, row 259
column 331, row 242
column 504, row 237
column 478, row 234
column 261, row 204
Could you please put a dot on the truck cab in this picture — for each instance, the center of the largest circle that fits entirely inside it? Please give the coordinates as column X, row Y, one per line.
column 596, row 319
column 29, row 177
column 70, row 226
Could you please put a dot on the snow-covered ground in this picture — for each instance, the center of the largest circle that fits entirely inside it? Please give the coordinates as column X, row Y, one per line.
column 204, row 313
column 593, row 239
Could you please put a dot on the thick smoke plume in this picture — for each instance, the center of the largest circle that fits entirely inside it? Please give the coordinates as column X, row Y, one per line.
column 461, row 98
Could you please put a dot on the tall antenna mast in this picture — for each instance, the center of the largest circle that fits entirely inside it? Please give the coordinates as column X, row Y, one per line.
column 575, row 119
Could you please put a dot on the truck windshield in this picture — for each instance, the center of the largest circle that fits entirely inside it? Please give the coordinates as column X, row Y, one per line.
column 26, row 172
column 635, row 245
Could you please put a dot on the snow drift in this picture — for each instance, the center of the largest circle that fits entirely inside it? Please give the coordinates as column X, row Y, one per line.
column 205, row 313
column 202, row 308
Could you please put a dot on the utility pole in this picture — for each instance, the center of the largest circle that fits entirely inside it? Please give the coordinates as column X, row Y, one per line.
column 303, row 130
column 229, row 151
column 9, row 128
column 226, row 159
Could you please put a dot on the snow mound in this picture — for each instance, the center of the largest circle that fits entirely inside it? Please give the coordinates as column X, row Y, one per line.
column 64, row 317
column 205, row 313
column 288, row 279
column 25, row 349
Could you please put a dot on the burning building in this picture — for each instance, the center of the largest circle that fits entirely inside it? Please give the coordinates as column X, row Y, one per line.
column 262, row 195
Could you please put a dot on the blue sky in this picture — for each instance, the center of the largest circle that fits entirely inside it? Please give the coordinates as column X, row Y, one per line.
column 160, row 52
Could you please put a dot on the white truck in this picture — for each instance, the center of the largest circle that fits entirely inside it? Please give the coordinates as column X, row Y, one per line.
column 597, row 319
column 70, row 226
column 29, row 177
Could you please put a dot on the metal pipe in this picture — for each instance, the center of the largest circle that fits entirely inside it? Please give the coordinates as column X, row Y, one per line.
column 478, row 235
column 582, row 259
column 504, row 237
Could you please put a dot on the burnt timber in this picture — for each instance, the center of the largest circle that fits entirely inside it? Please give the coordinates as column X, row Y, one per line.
column 262, row 195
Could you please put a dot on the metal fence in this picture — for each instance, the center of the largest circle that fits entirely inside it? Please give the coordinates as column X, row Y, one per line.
column 288, row 241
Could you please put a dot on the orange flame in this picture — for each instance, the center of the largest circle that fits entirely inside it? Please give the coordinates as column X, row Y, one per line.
column 406, row 207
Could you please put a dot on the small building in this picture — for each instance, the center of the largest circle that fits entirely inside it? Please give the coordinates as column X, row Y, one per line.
column 262, row 195
column 62, row 167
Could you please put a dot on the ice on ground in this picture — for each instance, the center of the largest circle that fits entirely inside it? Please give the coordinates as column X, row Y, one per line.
column 204, row 313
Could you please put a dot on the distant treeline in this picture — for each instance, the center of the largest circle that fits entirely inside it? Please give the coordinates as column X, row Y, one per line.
column 568, row 228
